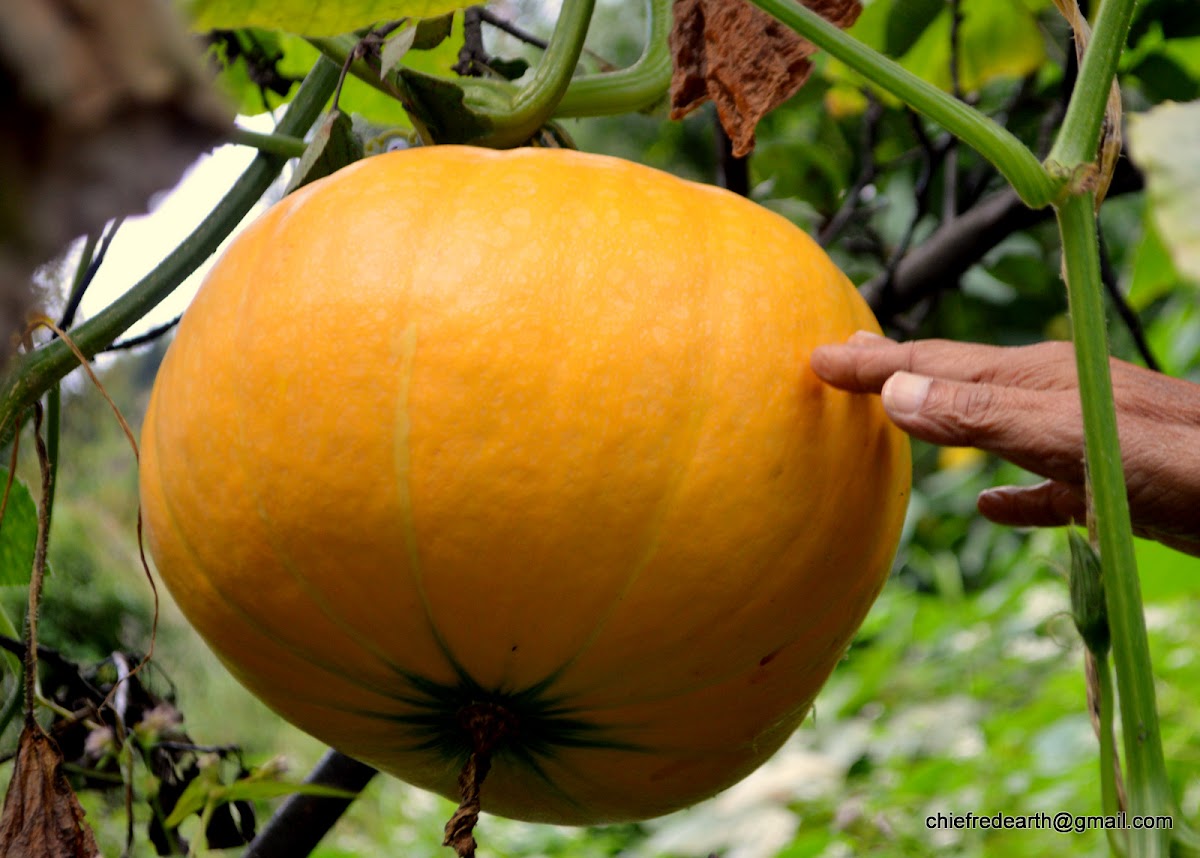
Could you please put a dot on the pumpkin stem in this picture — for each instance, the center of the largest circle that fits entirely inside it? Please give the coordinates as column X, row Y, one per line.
column 487, row 725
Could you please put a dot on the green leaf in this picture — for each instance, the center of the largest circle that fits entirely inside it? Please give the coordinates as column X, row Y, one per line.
column 334, row 145
column 254, row 789
column 195, row 797
column 294, row 57
column 18, row 534
column 440, row 104
column 1165, row 144
column 310, row 17
column 1154, row 275
column 906, row 22
column 1164, row 79
column 996, row 40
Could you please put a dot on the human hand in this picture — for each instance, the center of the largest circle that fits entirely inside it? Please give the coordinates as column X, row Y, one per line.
column 1022, row 403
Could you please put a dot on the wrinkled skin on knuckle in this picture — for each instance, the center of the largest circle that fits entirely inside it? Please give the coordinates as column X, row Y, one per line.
column 1042, row 366
column 975, row 411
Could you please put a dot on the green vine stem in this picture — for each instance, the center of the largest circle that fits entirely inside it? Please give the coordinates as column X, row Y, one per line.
column 285, row 146
column 637, row 87
column 1079, row 134
column 1146, row 776
column 507, row 116
column 515, row 115
column 1074, row 150
column 35, row 373
column 1011, row 157
column 534, row 104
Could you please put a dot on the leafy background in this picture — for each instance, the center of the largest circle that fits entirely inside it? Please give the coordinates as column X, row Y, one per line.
column 964, row 690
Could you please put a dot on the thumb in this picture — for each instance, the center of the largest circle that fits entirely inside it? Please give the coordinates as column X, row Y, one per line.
column 1035, row 429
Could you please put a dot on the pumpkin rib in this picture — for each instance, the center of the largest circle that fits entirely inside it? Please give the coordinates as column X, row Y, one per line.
column 654, row 532
column 307, row 656
column 671, row 495
column 282, row 556
column 402, row 459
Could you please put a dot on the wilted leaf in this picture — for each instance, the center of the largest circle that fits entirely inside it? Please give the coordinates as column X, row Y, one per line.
column 18, row 534
column 311, row 17
column 394, row 49
column 1165, row 144
column 104, row 104
column 742, row 59
column 42, row 816
column 333, row 146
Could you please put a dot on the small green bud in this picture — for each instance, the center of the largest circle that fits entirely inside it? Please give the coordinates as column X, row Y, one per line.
column 1088, row 607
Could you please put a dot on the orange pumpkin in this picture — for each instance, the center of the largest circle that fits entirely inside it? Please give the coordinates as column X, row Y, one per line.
column 532, row 431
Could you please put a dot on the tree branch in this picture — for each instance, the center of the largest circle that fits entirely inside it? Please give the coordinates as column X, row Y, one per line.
column 942, row 259
column 300, row 823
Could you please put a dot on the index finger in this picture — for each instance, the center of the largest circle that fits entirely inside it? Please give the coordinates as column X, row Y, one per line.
column 866, row 361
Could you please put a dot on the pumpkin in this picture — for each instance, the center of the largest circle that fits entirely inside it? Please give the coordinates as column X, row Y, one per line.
column 459, row 450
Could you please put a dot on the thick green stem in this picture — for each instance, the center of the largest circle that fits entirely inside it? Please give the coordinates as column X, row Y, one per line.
column 1147, row 786
column 534, row 104
column 1146, row 780
column 35, row 373
column 511, row 116
column 1009, row 155
column 284, row 146
column 1079, row 134
column 638, row 87
column 515, row 115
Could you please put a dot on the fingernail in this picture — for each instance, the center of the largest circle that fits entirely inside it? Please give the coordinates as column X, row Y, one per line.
column 866, row 338
column 904, row 393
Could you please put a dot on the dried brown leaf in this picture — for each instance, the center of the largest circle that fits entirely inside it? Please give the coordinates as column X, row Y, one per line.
column 41, row 815
column 742, row 59
column 104, row 105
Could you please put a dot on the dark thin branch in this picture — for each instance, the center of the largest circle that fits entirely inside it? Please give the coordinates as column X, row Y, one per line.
column 142, row 339
column 367, row 47
column 45, row 654
column 833, row 227
column 931, row 156
column 950, row 173
column 473, row 57
column 56, row 660
column 300, row 823
column 733, row 173
column 511, row 28
column 1108, row 276
column 77, row 293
